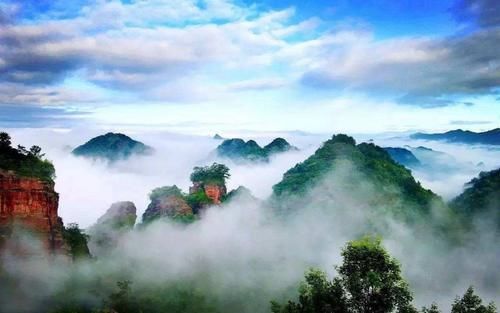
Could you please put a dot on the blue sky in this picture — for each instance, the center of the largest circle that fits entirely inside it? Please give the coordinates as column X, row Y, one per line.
column 223, row 65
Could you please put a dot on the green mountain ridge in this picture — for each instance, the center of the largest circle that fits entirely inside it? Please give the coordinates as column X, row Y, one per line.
column 112, row 147
column 395, row 187
column 481, row 198
column 238, row 149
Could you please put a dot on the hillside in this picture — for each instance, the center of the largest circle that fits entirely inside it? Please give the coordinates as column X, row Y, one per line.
column 490, row 137
column 403, row 156
column 112, row 147
column 238, row 149
column 395, row 187
column 481, row 198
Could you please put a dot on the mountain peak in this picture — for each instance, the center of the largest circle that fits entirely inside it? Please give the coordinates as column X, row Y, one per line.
column 112, row 146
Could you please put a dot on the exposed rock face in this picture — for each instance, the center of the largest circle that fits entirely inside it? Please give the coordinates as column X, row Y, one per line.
column 109, row 229
column 215, row 192
column 169, row 206
column 121, row 214
column 31, row 204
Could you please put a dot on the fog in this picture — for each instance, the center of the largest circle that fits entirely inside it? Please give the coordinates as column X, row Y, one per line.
column 238, row 250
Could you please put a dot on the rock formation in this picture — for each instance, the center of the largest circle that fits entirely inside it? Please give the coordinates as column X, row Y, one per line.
column 214, row 192
column 110, row 227
column 31, row 205
column 167, row 206
column 121, row 214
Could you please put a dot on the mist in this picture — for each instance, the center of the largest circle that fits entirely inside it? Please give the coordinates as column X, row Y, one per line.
column 240, row 250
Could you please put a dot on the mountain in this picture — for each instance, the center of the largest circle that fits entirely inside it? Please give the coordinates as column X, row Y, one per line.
column 218, row 137
column 403, row 156
column 278, row 145
column 490, row 137
column 112, row 147
column 238, row 149
column 481, row 198
column 396, row 189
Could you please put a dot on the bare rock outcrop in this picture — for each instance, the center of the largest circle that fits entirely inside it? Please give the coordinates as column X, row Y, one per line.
column 30, row 205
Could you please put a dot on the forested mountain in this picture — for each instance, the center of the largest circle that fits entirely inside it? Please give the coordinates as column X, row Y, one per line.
column 481, row 198
column 112, row 147
column 403, row 156
column 238, row 149
column 395, row 189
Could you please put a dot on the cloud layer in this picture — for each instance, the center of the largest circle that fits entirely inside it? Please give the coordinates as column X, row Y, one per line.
column 194, row 51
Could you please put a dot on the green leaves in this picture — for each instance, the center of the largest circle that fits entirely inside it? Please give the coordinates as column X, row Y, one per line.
column 25, row 163
column 471, row 303
column 369, row 281
column 213, row 174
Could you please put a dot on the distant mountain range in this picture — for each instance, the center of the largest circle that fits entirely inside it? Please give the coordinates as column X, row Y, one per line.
column 238, row 149
column 112, row 147
column 490, row 137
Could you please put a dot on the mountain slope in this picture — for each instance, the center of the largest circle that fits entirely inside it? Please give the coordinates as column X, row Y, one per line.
column 403, row 156
column 490, row 137
column 481, row 198
column 113, row 147
column 395, row 187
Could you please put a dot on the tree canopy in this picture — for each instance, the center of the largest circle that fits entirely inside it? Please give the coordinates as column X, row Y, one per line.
column 213, row 174
column 24, row 162
column 369, row 281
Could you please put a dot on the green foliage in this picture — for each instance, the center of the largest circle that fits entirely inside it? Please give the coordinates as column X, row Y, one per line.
column 197, row 200
column 372, row 278
column 25, row 163
column 185, row 218
column 213, row 174
column 112, row 146
column 471, row 303
column 481, row 197
column 396, row 187
column 165, row 191
column 76, row 241
column 316, row 295
column 432, row 309
column 369, row 281
column 238, row 149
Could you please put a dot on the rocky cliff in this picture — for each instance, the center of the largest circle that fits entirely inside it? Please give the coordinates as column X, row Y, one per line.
column 30, row 204
column 169, row 206
column 106, row 233
column 214, row 192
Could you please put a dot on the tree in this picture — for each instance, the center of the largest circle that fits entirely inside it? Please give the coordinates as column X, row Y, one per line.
column 215, row 174
column 372, row 279
column 76, row 241
column 369, row 281
column 5, row 140
column 432, row 309
column 36, row 151
column 316, row 295
column 471, row 303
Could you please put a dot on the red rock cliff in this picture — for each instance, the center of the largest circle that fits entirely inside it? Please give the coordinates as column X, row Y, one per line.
column 30, row 204
column 215, row 192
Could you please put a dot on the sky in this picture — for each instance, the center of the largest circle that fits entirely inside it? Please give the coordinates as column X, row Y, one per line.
column 207, row 66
